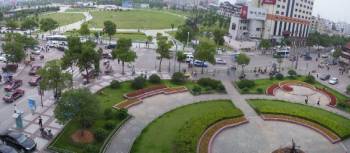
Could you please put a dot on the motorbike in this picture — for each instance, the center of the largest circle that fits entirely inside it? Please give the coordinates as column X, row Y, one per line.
column 46, row 134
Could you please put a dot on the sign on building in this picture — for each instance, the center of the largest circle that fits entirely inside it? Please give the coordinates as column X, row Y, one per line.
column 273, row 2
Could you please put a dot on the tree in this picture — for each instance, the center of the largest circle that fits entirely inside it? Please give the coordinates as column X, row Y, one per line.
column 337, row 53
column 265, row 44
column 12, row 25
column 80, row 105
column 205, row 51
column 149, row 40
column 25, row 41
column 29, row 24
column 87, row 59
column 53, row 77
column 110, row 28
column 183, row 34
column 48, row 24
column 181, row 57
column 348, row 89
column 163, row 50
column 243, row 60
column 71, row 55
column 1, row 16
column 123, row 53
column 14, row 51
column 219, row 37
column 84, row 29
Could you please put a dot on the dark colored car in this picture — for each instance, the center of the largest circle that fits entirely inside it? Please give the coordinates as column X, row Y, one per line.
column 19, row 141
column 34, row 70
column 10, row 68
column 7, row 149
column 14, row 84
column 111, row 46
column 91, row 74
column 11, row 97
column 325, row 77
column 199, row 63
column 107, row 55
column 35, row 81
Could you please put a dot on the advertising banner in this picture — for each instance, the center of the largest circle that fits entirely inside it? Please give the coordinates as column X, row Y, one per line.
column 273, row 2
column 244, row 12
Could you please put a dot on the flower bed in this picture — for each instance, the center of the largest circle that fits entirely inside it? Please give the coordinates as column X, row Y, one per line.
column 331, row 136
column 333, row 98
column 138, row 93
column 127, row 103
column 174, row 90
column 205, row 142
column 270, row 90
column 287, row 88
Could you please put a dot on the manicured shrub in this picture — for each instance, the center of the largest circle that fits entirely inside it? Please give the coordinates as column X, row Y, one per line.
column 122, row 114
column 196, row 89
column 154, row 78
column 279, row 76
column 138, row 83
column 245, row 90
column 115, row 84
column 178, row 78
column 221, row 88
column 109, row 125
column 259, row 91
column 101, row 134
column 310, row 79
column 292, row 73
column 90, row 149
column 245, row 84
column 108, row 113
column 208, row 82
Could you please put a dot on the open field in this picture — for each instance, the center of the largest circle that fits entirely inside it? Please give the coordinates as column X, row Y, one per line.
column 64, row 18
column 137, row 19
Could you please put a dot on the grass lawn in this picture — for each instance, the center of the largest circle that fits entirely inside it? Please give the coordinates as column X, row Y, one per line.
column 108, row 97
column 64, row 18
column 137, row 19
column 80, row 9
column 186, row 123
column 134, row 36
column 333, row 122
column 265, row 83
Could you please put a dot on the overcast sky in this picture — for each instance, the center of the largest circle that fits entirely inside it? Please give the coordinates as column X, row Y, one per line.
column 335, row 10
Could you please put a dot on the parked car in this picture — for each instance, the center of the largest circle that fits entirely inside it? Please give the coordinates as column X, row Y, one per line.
column 11, row 97
column 34, row 70
column 7, row 149
column 324, row 56
column 325, row 77
column 10, row 68
column 3, row 58
column 35, row 81
column 19, row 141
column 220, row 61
column 36, row 52
column 199, row 63
column 111, row 46
column 333, row 81
column 12, row 85
column 91, row 74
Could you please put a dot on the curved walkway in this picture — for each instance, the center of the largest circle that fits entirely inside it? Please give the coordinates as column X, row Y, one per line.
column 144, row 114
column 264, row 136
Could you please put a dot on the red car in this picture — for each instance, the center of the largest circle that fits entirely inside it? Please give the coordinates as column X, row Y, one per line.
column 35, row 81
column 11, row 97
column 34, row 70
column 14, row 84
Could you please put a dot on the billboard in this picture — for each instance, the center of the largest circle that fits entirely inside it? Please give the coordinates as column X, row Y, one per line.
column 273, row 2
column 256, row 13
column 244, row 12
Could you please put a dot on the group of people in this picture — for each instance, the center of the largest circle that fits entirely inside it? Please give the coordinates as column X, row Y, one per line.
column 307, row 100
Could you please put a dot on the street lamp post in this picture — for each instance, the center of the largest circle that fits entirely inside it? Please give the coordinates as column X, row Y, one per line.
column 188, row 38
column 175, row 55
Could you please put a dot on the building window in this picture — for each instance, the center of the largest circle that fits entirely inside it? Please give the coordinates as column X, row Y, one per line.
column 233, row 26
column 257, row 29
column 282, row 13
column 277, row 12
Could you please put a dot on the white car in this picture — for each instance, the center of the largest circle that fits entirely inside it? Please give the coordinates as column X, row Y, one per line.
column 324, row 56
column 220, row 61
column 3, row 58
column 333, row 81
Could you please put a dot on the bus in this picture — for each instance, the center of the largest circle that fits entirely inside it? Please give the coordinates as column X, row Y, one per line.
column 56, row 38
column 283, row 52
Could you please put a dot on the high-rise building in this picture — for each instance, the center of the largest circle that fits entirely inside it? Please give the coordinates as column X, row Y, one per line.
column 272, row 19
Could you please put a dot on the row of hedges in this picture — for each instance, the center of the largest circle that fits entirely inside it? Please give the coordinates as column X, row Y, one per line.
column 208, row 85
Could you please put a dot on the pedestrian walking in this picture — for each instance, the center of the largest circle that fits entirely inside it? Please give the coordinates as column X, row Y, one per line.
column 306, row 100
column 318, row 101
column 40, row 122
column 317, row 75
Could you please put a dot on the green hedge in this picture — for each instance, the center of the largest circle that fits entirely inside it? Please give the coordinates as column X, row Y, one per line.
column 336, row 123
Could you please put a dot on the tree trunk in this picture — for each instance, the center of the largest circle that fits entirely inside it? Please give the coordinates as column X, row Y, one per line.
column 87, row 75
column 202, row 69
column 110, row 39
column 242, row 69
column 160, row 65
column 123, row 68
column 179, row 66
column 72, row 81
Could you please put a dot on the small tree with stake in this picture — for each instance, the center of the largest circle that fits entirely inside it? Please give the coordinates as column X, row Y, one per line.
column 243, row 60
column 205, row 51
column 79, row 104
column 123, row 52
column 110, row 28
